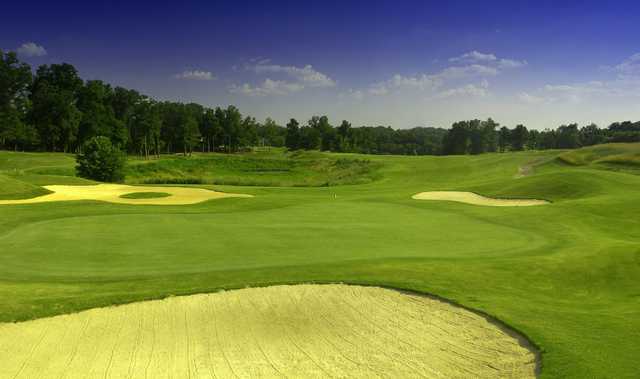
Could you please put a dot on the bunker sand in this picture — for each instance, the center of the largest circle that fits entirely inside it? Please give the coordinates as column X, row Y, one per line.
column 280, row 331
column 112, row 192
column 475, row 199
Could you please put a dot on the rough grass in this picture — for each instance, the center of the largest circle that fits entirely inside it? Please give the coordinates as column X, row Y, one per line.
column 275, row 169
column 564, row 274
column 145, row 195
column 613, row 153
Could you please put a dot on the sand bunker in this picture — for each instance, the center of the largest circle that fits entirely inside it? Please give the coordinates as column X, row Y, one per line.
column 113, row 192
column 475, row 199
column 281, row 331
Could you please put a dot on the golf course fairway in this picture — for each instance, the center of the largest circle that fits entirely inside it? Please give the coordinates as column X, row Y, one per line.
column 281, row 331
column 562, row 275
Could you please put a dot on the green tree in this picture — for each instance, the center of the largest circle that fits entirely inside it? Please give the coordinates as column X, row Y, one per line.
column 568, row 136
column 231, row 124
column 54, row 112
column 476, row 137
column 98, row 118
column 489, row 132
column 504, row 137
column 292, row 139
column 519, row 137
column 145, row 123
column 344, row 130
column 15, row 80
column 591, row 135
column 533, row 139
column 211, row 128
column 189, row 131
column 456, row 141
column 100, row 160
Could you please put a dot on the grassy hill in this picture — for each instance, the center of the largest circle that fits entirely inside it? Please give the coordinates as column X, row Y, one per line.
column 564, row 274
column 614, row 156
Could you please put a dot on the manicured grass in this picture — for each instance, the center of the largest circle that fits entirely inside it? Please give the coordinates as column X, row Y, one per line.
column 145, row 195
column 565, row 274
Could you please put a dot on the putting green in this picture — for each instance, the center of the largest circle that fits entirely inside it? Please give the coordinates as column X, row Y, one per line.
column 290, row 331
column 475, row 199
column 113, row 193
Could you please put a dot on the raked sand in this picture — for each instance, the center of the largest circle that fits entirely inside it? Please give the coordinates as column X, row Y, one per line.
column 112, row 193
column 475, row 199
column 300, row 331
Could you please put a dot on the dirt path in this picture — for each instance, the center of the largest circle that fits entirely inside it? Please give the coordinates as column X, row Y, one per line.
column 112, row 192
column 475, row 199
column 281, row 331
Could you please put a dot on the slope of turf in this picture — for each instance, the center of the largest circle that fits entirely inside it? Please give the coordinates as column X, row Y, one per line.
column 13, row 189
column 267, row 168
column 613, row 156
column 565, row 274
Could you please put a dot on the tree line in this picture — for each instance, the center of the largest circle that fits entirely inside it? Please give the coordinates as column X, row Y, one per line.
column 53, row 109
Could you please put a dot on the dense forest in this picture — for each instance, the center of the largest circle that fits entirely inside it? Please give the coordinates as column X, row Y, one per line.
column 53, row 109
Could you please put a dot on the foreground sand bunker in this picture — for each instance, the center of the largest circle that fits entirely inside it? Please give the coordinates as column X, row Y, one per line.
column 112, row 193
column 475, row 199
column 281, row 331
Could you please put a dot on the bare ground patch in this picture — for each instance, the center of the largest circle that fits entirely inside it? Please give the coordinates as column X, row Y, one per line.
column 475, row 199
column 114, row 193
column 280, row 331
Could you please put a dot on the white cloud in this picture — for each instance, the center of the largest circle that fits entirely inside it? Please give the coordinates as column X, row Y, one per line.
column 510, row 63
column 619, row 88
column 457, row 72
column 299, row 79
column 469, row 90
column 474, row 56
column 431, row 82
column 630, row 67
column 268, row 87
column 352, row 94
column 307, row 74
column 31, row 49
column 487, row 59
column 195, row 75
column 528, row 98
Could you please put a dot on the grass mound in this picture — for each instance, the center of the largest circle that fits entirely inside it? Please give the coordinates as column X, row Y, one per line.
column 13, row 189
column 620, row 155
column 269, row 170
column 145, row 195
column 553, row 186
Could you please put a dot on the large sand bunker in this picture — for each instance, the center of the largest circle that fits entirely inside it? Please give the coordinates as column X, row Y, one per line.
column 281, row 331
column 475, row 199
column 113, row 192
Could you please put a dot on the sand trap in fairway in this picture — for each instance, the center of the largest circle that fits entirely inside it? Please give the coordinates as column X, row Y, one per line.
column 112, row 193
column 282, row 331
column 475, row 199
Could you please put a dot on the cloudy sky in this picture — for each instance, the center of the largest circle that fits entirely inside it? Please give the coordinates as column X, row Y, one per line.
column 398, row 63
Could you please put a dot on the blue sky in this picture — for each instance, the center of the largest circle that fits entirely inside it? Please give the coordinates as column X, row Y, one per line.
column 402, row 63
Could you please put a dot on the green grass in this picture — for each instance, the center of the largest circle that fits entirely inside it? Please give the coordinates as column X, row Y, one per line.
column 614, row 156
column 271, row 169
column 145, row 195
column 564, row 274
column 13, row 189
